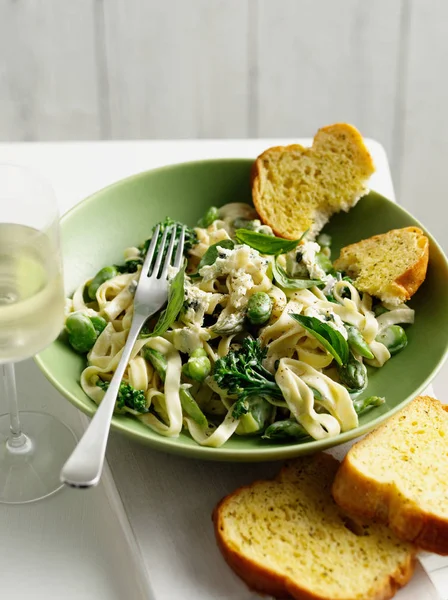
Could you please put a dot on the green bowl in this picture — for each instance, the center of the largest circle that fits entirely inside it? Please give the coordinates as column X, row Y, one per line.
column 96, row 231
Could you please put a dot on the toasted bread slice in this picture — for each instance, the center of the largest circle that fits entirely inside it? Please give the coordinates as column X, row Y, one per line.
column 296, row 189
column 398, row 474
column 287, row 537
column 390, row 266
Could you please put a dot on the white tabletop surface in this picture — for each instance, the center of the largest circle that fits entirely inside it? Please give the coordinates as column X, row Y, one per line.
column 61, row 547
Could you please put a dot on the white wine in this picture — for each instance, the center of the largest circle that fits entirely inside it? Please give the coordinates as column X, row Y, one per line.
column 31, row 291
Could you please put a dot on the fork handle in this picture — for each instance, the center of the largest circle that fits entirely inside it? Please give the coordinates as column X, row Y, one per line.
column 84, row 466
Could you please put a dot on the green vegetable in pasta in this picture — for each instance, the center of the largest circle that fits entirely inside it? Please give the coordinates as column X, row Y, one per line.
column 357, row 343
column 289, row 283
column 103, row 275
column 324, row 263
column 332, row 340
column 130, row 266
column 229, row 324
column 394, row 338
column 240, row 223
column 264, row 243
column 361, row 405
column 127, row 396
column 259, row 308
column 259, row 414
column 191, row 407
column 211, row 215
column 157, row 359
column 175, row 301
column 212, row 253
column 81, row 332
column 191, row 239
column 289, row 429
column 324, row 240
column 353, row 374
column 99, row 323
column 198, row 366
column 242, row 374
column 379, row 310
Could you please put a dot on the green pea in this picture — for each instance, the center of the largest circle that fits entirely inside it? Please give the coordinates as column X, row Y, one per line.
column 358, row 343
column 198, row 353
column 157, row 359
column 259, row 308
column 99, row 323
column 394, row 338
column 289, row 429
column 199, row 367
column 81, row 332
column 353, row 374
column 211, row 215
column 103, row 275
column 191, row 407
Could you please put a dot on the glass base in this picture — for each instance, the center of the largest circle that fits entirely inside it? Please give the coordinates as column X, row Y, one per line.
column 32, row 472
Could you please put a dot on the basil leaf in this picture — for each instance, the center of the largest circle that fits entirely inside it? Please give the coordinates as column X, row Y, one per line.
column 175, row 302
column 289, row 283
column 265, row 244
column 333, row 341
column 212, row 254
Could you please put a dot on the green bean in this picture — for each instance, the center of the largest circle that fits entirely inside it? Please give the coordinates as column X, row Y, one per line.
column 285, row 430
column 99, row 323
column 255, row 420
column 361, row 405
column 353, row 374
column 103, row 275
column 259, row 308
column 191, row 407
column 157, row 359
column 81, row 332
column 394, row 338
column 211, row 215
column 357, row 343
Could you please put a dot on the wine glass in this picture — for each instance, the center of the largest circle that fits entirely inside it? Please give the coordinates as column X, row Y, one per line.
column 33, row 445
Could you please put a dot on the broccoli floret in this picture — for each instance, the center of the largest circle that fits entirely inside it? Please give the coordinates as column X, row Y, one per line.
column 127, row 396
column 191, row 239
column 242, row 373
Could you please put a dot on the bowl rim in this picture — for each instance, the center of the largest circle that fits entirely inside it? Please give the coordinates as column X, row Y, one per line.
column 270, row 452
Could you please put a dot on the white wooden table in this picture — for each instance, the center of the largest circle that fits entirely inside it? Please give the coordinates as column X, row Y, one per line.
column 102, row 545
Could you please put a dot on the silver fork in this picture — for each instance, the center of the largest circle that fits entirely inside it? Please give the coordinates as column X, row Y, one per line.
column 83, row 468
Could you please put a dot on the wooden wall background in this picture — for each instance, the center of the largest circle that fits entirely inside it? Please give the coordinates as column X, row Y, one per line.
column 115, row 69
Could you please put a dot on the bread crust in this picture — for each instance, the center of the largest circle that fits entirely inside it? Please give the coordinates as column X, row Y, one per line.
column 343, row 129
column 361, row 495
column 265, row 581
column 408, row 282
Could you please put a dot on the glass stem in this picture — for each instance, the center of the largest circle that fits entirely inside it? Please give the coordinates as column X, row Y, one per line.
column 17, row 441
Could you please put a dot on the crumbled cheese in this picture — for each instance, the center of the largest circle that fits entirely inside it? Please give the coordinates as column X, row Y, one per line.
column 309, row 251
column 333, row 320
column 196, row 303
column 188, row 339
column 230, row 261
column 239, row 285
